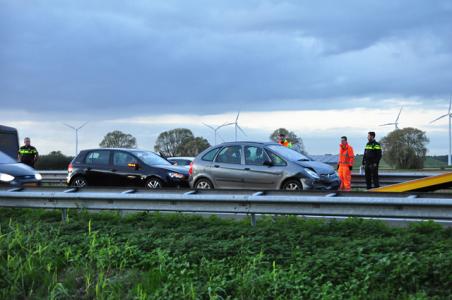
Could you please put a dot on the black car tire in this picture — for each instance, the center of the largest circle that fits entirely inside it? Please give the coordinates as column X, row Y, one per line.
column 154, row 183
column 292, row 185
column 203, row 184
column 79, row 181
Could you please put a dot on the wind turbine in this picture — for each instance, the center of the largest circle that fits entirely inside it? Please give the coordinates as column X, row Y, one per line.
column 76, row 129
column 396, row 123
column 215, row 129
column 236, row 125
column 450, row 133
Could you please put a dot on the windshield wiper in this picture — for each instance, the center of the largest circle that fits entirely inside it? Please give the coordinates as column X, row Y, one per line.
column 304, row 159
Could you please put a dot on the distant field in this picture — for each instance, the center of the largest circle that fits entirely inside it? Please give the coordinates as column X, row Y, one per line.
column 152, row 256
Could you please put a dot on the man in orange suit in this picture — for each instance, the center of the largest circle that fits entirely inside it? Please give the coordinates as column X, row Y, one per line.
column 345, row 164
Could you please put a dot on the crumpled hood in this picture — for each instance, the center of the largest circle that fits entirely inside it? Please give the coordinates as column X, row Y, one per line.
column 17, row 169
column 319, row 167
column 177, row 169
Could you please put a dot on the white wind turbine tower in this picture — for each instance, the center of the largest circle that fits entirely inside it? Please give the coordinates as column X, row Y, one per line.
column 396, row 123
column 236, row 125
column 76, row 129
column 215, row 130
column 450, row 133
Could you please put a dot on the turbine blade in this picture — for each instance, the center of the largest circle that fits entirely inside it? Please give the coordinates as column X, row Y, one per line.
column 67, row 125
column 398, row 116
column 82, row 125
column 439, row 118
column 387, row 124
column 237, row 118
column 240, row 128
column 207, row 125
column 224, row 125
column 221, row 138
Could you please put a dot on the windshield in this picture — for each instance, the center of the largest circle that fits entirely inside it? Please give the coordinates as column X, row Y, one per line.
column 151, row 158
column 288, row 153
column 5, row 159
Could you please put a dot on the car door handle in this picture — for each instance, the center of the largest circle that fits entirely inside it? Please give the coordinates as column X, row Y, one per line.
column 113, row 170
column 216, row 166
column 247, row 169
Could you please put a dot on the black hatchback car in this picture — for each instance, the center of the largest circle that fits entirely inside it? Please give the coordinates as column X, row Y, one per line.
column 13, row 173
column 124, row 167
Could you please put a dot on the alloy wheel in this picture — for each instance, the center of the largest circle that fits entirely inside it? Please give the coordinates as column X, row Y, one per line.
column 203, row 185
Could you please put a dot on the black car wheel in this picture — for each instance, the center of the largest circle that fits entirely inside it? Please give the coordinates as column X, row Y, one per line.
column 154, row 183
column 292, row 185
column 203, row 184
column 79, row 181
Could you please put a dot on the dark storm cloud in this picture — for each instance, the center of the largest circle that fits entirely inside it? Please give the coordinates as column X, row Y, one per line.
column 141, row 57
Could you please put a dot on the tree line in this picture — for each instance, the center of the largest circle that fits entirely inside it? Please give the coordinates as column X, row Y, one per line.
column 402, row 148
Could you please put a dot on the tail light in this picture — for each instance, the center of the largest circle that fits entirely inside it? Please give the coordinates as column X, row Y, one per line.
column 69, row 168
column 190, row 171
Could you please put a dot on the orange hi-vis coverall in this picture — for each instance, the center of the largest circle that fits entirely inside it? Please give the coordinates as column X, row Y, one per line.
column 345, row 164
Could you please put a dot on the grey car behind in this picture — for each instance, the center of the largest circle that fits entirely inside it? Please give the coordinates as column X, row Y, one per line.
column 253, row 165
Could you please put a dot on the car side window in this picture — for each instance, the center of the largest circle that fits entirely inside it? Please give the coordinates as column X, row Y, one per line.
column 254, row 155
column 230, row 155
column 123, row 159
column 209, row 156
column 276, row 160
column 100, row 157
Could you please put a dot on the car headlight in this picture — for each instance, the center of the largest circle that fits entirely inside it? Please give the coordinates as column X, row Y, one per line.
column 312, row 173
column 6, row 177
column 176, row 175
column 38, row 176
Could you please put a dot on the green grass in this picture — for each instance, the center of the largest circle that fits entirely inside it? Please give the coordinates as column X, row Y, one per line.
column 152, row 256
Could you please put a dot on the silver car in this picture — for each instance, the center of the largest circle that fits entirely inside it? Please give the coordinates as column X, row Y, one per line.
column 253, row 165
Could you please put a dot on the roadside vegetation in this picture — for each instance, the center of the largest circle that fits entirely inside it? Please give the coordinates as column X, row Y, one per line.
column 163, row 256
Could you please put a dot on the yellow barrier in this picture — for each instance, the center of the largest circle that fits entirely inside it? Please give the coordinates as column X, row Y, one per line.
column 430, row 183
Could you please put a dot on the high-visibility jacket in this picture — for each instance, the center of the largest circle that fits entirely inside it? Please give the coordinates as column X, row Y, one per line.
column 346, row 155
column 372, row 153
column 28, row 155
column 286, row 143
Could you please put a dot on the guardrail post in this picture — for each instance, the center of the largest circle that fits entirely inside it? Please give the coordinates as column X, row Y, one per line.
column 253, row 220
column 64, row 215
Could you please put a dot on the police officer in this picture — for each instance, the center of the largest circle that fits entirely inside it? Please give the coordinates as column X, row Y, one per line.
column 28, row 154
column 371, row 160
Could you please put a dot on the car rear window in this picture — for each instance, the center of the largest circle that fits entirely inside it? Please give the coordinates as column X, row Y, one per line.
column 98, row 157
column 209, row 156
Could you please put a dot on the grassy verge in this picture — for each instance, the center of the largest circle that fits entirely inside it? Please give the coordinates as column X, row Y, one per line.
column 152, row 256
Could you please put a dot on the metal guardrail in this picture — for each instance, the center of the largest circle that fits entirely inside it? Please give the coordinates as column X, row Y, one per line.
column 393, row 206
column 358, row 180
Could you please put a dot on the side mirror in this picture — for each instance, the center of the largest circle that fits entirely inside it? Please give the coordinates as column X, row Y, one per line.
column 173, row 162
column 134, row 166
column 268, row 163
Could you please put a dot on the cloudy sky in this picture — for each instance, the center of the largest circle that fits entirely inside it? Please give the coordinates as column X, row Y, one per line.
column 320, row 68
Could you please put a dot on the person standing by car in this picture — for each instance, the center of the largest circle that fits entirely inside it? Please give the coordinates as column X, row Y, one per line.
column 282, row 140
column 371, row 160
column 345, row 164
column 27, row 153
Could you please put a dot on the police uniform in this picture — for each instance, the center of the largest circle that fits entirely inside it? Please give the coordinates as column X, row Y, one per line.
column 371, row 160
column 28, row 155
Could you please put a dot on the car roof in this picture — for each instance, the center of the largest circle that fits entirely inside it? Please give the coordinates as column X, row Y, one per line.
column 181, row 157
column 247, row 142
column 122, row 149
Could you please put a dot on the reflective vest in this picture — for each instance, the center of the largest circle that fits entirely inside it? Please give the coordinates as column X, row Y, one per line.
column 372, row 153
column 346, row 155
column 286, row 143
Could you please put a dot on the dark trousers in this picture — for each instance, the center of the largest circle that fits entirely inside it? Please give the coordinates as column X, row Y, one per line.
column 371, row 171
